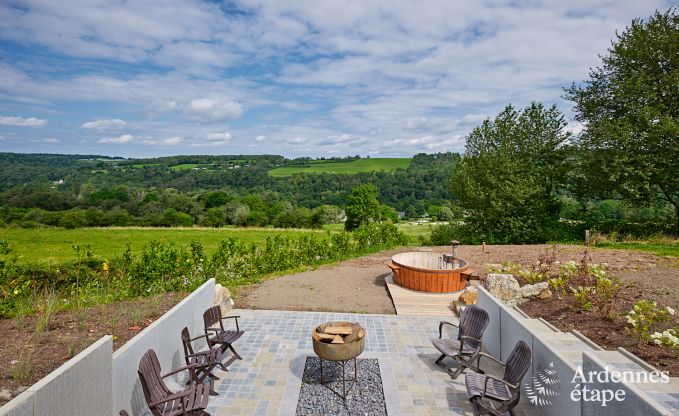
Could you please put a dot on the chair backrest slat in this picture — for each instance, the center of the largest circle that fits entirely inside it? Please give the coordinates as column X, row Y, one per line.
column 473, row 323
column 211, row 317
column 518, row 363
column 152, row 383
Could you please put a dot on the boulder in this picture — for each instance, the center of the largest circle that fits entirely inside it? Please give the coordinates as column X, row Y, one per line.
column 538, row 290
column 458, row 307
column 469, row 296
column 223, row 298
column 504, row 287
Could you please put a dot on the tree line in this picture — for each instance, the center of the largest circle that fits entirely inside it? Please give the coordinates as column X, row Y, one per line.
column 526, row 177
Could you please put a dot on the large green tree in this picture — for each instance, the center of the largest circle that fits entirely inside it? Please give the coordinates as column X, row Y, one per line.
column 507, row 181
column 362, row 206
column 630, row 106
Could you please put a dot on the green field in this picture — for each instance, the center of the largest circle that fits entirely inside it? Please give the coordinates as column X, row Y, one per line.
column 56, row 245
column 662, row 246
column 184, row 166
column 355, row 166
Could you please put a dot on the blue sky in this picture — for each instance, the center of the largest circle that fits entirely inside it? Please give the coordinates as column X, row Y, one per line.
column 307, row 78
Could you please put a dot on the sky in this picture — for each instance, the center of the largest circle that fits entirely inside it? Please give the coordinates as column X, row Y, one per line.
column 312, row 78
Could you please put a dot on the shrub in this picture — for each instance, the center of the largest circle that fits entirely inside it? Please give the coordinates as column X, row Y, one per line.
column 644, row 317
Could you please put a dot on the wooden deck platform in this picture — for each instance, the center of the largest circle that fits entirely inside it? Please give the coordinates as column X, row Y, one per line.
column 414, row 303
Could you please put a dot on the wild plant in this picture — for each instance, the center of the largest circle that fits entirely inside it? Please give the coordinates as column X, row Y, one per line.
column 23, row 368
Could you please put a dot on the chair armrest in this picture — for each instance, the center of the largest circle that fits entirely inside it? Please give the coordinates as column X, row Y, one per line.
column 483, row 354
column 189, row 367
column 198, row 354
column 199, row 337
column 445, row 323
column 233, row 317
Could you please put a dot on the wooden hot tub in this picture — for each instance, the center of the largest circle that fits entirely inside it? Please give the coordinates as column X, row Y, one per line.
column 422, row 271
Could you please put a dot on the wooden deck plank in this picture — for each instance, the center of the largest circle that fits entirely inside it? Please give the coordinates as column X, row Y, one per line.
column 414, row 303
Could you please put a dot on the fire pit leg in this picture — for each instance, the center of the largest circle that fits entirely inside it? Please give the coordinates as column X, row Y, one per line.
column 321, row 360
column 355, row 370
column 344, row 382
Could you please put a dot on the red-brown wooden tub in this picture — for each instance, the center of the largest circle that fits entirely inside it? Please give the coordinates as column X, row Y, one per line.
column 420, row 271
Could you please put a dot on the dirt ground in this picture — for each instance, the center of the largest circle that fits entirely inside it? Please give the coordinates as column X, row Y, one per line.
column 26, row 356
column 357, row 285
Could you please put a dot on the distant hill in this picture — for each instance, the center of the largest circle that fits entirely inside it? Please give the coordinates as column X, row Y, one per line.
column 346, row 167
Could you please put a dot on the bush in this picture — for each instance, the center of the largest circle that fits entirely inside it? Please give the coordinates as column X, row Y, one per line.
column 162, row 267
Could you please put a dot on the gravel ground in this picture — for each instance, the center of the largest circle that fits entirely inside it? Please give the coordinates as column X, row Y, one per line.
column 363, row 398
column 357, row 285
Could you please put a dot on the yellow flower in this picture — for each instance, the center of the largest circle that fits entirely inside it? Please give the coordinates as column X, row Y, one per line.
column 105, row 266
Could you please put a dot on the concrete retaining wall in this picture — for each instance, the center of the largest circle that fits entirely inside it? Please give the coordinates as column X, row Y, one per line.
column 565, row 353
column 100, row 382
column 80, row 387
column 162, row 336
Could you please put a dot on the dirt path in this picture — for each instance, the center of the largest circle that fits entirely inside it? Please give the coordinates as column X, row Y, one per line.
column 357, row 285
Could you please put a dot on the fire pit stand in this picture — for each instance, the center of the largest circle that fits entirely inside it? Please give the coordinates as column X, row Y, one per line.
column 340, row 342
column 344, row 378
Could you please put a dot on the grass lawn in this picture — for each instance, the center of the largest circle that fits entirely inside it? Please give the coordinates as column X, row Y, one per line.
column 355, row 166
column 56, row 245
column 662, row 246
column 413, row 231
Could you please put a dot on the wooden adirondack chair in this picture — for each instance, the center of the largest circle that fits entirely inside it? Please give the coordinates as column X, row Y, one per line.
column 491, row 395
column 473, row 323
column 203, row 361
column 163, row 402
column 218, row 336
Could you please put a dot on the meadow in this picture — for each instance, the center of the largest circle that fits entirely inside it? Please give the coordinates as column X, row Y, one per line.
column 354, row 166
column 53, row 245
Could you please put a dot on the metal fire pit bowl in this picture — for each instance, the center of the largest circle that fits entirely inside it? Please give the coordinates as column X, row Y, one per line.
column 340, row 353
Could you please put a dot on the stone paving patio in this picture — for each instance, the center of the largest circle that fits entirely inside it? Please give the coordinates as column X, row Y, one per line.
column 276, row 343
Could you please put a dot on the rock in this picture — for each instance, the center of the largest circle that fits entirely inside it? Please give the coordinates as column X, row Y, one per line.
column 223, row 298
column 469, row 296
column 458, row 306
column 538, row 290
column 5, row 394
column 504, row 287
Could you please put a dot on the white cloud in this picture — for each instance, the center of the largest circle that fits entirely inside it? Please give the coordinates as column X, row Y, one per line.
column 158, row 107
column 115, row 123
column 22, row 122
column 219, row 136
column 173, row 140
column 51, row 140
column 316, row 78
column 210, row 110
column 122, row 139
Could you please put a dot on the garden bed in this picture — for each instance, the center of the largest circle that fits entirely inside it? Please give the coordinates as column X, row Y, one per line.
column 566, row 315
column 30, row 348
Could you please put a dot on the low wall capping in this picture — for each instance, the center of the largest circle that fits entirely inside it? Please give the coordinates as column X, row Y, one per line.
column 643, row 364
column 586, row 340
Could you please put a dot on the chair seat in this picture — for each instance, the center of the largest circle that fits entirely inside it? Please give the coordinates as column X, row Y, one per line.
column 207, row 358
column 197, row 399
column 226, row 337
column 451, row 347
column 496, row 389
